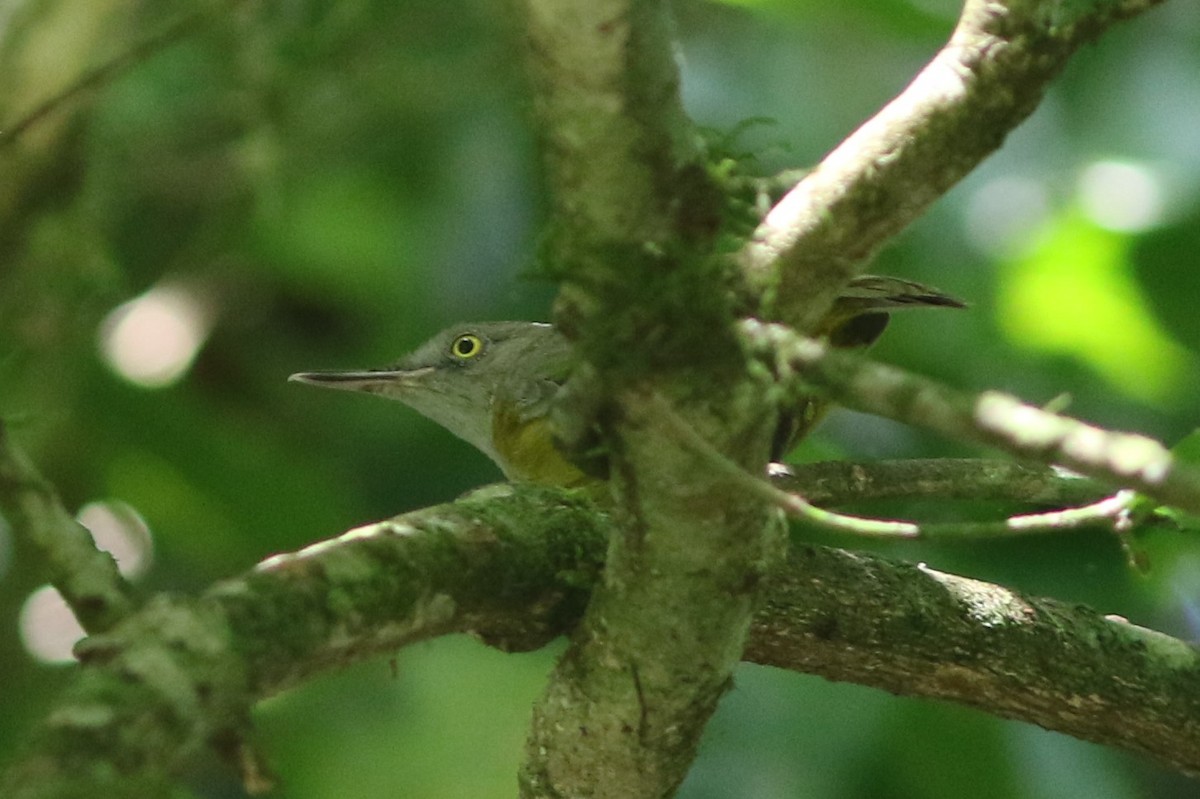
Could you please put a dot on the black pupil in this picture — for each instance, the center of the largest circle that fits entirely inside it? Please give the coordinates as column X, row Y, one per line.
column 465, row 346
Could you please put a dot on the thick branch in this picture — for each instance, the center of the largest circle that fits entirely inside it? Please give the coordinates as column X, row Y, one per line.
column 615, row 139
column 918, row 632
column 626, row 707
column 513, row 566
column 635, row 216
column 986, row 80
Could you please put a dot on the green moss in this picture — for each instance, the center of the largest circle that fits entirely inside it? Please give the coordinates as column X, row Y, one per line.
column 671, row 302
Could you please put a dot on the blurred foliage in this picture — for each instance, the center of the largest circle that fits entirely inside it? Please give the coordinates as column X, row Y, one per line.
column 1106, row 323
column 333, row 181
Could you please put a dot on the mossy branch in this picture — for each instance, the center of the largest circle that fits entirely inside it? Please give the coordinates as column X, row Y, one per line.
column 635, row 220
column 513, row 565
column 86, row 577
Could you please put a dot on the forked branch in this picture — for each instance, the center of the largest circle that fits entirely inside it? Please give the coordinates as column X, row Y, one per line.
column 988, row 78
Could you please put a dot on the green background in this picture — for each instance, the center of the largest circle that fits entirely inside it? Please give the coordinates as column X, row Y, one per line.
column 338, row 180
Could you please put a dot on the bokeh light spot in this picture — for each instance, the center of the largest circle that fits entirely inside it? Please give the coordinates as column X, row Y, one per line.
column 1122, row 196
column 119, row 530
column 48, row 627
column 1003, row 213
column 152, row 340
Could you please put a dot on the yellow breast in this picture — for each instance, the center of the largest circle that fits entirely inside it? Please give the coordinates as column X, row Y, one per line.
column 526, row 448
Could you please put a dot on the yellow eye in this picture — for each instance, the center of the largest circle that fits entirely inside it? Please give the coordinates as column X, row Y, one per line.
column 466, row 346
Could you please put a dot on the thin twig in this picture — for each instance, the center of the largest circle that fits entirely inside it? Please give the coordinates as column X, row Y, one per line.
column 109, row 70
column 1122, row 460
column 851, row 482
column 1111, row 511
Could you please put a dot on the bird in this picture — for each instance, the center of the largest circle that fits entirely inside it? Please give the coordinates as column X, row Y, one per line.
column 492, row 384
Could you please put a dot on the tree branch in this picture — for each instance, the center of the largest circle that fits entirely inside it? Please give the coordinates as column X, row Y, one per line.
column 686, row 561
column 986, row 80
column 635, row 218
column 971, row 479
column 620, row 154
column 993, row 419
column 604, row 82
column 633, row 249
column 105, row 73
column 510, row 567
column 86, row 577
column 914, row 631
column 513, row 565
column 1119, row 512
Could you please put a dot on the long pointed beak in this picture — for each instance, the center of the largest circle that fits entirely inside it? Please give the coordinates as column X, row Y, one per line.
column 373, row 381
